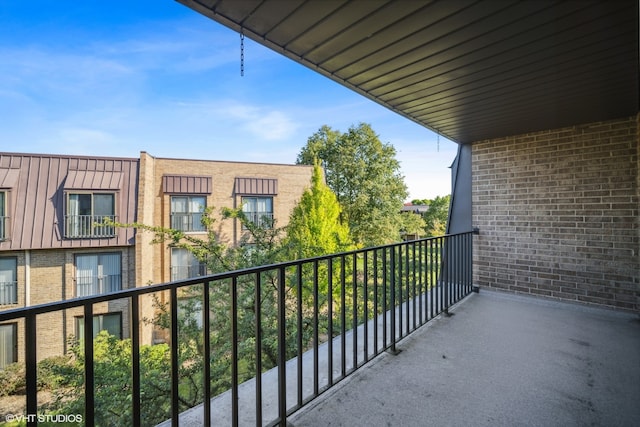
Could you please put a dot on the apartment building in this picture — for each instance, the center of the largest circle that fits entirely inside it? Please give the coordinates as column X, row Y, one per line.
column 51, row 248
column 174, row 192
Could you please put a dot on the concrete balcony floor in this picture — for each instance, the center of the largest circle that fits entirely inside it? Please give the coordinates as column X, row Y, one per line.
column 500, row 360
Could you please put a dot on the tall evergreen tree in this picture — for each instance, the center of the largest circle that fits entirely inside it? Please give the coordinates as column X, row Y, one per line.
column 315, row 227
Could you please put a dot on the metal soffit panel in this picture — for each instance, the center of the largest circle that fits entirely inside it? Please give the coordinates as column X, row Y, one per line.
column 470, row 70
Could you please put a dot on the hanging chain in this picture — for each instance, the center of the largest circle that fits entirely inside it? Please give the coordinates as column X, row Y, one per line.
column 241, row 53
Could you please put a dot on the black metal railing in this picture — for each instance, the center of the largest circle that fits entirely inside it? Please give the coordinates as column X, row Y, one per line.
column 271, row 338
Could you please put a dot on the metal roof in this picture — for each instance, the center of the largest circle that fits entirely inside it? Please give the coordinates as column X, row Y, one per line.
column 470, row 70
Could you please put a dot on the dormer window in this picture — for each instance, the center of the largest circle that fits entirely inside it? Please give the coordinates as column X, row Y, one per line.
column 85, row 211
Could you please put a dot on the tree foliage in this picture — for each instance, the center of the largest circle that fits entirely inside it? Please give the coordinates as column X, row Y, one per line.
column 365, row 176
column 436, row 216
column 315, row 227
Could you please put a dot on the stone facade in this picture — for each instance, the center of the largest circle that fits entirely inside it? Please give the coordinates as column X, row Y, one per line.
column 558, row 213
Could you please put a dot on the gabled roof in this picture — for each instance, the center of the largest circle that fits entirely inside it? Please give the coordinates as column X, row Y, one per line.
column 470, row 70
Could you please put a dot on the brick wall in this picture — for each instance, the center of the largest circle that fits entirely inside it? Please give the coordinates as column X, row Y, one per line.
column 558, row 213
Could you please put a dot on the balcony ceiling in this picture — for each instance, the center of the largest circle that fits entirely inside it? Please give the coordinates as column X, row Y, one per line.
column 470, row 70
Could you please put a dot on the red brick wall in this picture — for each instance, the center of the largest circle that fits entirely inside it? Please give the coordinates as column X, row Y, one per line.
column 558, row 213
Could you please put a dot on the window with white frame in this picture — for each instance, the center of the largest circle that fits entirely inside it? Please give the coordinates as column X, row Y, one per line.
column 8, row 281
column 85, row 211
column 184, row 265
column 186, row 212
column 8, row 344
column 98, row 273
column 110, row 322
column 258, row 210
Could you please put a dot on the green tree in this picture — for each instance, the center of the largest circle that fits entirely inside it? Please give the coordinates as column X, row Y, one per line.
column 315, row 227
column 436, row 216
column 365, row 177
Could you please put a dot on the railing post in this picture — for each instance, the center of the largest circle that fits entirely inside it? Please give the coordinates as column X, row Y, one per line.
column 282, row 356
column 31, row 367
column 393, row 311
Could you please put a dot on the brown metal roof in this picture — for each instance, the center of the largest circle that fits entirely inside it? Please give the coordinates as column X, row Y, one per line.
column 256, row 186
column 93, row 180
column 36, row 197
column 470, row 70
column 186, row 184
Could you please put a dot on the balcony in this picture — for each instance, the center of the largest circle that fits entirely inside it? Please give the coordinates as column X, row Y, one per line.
column 3, row 227
column 386, row 335
column 88, row 226
column 8, row 293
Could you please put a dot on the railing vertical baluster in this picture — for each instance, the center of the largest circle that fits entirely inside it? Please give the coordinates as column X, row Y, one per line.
column 299, row 334
column 282, row 346
column 89, row 382
column 375, row 301
column 447, row 275
column 414, row 285
column 175, row 379
column 31, row 366
column 421, row 280
column 343, row 318
column 316, row 308
column 397, row 303
column 330, row 320
column 354, row 321
column 258, row 331
column 365, row 305
column 385, row 308
column 206, row 363
column 235, row 411
column 393, row 299
column 135, row 359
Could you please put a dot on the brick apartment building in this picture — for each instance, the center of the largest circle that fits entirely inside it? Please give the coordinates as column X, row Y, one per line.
column 51, row 249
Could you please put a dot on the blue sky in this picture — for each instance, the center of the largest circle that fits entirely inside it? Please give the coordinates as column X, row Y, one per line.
column 113, row 78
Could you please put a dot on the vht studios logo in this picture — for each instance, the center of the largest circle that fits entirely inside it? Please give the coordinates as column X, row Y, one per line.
column 45, row 418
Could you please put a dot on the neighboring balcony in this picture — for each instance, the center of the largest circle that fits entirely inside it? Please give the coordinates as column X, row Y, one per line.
column 260, row 219
column 187, row 222
column 8, row 293
column 98, row 285
column 4, row 220
column 88, row 226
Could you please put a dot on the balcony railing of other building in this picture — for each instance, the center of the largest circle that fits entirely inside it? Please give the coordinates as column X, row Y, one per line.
column 187, row 221
column 8, row 293
column 88, row 226
column 302, row 326
column 3, row 227
column 179, row 272
column 98, row 285
column 261, row 219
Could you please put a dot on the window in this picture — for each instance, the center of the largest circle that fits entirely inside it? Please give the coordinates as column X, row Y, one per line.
column 259, row 210
column 185, row 265
column 8, row 344
column 98, row 274
column 3, row 215
column 84, row 210
column 8, row 281
column 186, row 212
column 111, row 322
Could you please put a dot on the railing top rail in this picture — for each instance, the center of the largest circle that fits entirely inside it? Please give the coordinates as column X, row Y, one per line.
column 22, row 312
